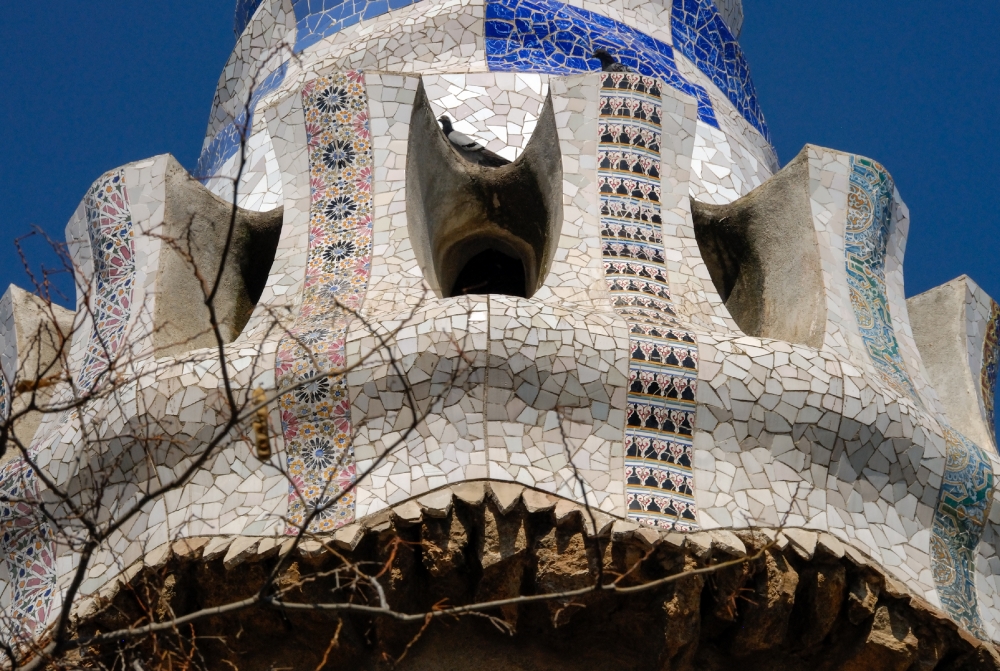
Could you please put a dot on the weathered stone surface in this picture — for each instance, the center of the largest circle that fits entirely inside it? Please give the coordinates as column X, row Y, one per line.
column 764, row 622
column 408, row 513
column 240, row 550
column 890, row 644
column 803, row 541
column 683, row 611
column 189, row 548
column 562, row 565
column 436, row 504
column 774, row 612
column 821, row 594
column 502, row 552
column 863, row 596
column 728, row 543
column 444, row 542
column 506, row 495
column 347, row 538
column 471, row 493
column 537, row 502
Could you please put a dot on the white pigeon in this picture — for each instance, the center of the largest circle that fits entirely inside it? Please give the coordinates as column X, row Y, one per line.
column 468, row 148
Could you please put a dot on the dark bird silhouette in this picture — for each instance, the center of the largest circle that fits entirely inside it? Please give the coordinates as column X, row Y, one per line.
column 608, row 62
column 469, row 149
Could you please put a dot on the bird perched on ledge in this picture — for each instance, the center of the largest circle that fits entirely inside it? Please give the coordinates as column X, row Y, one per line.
column 470, row 149
column 609, row 63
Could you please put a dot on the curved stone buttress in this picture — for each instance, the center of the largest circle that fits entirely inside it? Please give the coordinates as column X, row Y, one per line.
column 701, row 343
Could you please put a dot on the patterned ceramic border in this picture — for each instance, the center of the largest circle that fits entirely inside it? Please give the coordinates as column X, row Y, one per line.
column 869, row 215
column 27, row 540
column 703, row 36
column 967, row 489
column 316, row 417
column 109, row 222
column 659, row 479
column 991, row 362
column 28, row 550
column 959, row 521
column 555, row 38
column 4, row 397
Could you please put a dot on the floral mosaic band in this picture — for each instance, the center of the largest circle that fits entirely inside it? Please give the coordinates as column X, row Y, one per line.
column 316, row 412
column 109, row 223
column 866, row 239
column 28, row 551
column 663, row 361
column 959, row 522
column 27, row 539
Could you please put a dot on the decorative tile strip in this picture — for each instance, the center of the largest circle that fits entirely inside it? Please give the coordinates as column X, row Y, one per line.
column 959, row 520
column 967, row 489
column 664, row 358
column 27, row 538
column 316, row 414
column 991, row 362
column 28, row 550
column 869, row 215
column 556, row 38
column 109, row 222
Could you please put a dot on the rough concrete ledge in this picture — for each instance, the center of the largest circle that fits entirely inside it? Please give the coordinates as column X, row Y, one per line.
column 801, row 600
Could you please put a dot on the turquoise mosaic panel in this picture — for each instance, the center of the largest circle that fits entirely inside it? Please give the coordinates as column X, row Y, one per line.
column 316, row 414
column 967, row 487
column 659, row 481
column 959, row 521
column 869, row 217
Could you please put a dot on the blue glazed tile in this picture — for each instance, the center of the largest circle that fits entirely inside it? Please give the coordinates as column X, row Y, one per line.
column 227, row 141
column 701, row 34
column 245, row 10
column 316, row 19
column 555, row 38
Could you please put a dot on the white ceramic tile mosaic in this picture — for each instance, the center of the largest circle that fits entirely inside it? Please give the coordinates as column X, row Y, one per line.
column 849, row 437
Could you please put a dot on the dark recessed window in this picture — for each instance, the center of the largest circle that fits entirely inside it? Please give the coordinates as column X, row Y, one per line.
column 491, row 272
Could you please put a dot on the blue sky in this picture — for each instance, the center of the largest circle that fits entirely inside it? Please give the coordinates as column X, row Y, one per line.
column 97, row 84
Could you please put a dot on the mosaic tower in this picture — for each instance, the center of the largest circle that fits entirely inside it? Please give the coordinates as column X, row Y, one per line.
column 704, row 341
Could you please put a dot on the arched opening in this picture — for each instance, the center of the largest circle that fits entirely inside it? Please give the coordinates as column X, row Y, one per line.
column 480, row 229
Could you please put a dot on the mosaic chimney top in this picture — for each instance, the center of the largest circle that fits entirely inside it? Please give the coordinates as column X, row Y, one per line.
column 628, row 304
